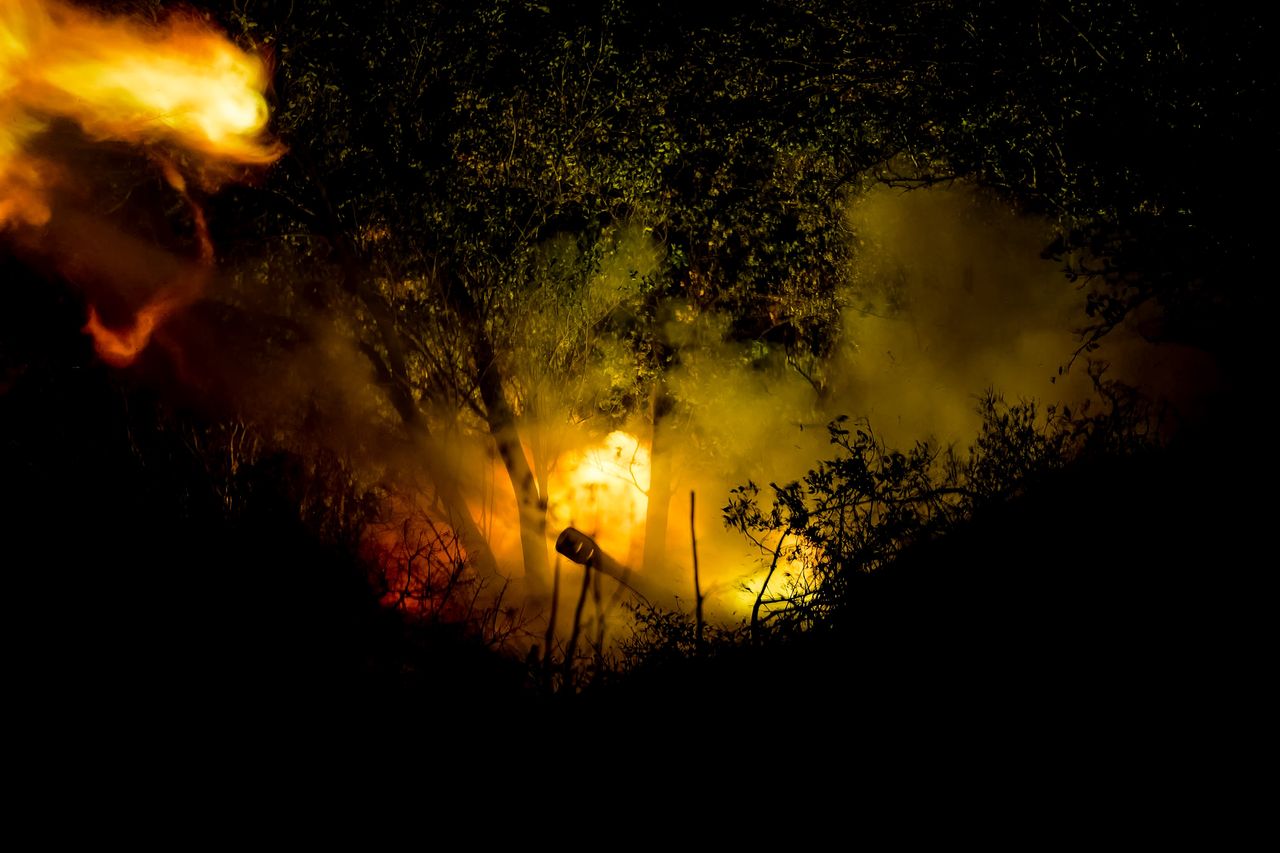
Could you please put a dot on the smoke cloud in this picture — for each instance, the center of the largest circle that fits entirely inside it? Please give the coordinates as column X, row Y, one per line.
column 946, row 297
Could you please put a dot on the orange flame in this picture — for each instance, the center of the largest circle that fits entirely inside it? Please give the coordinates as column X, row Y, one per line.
column 176, row 83
column 119, row 347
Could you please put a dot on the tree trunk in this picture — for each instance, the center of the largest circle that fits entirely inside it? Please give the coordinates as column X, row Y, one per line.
column 394, row 375
column 498, row 412
column 530, row 501
column 395, row 379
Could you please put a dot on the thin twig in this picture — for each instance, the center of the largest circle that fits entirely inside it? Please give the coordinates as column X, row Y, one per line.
column 697, row 584
column 549, row 638
column 755, row 608
column 572, row 647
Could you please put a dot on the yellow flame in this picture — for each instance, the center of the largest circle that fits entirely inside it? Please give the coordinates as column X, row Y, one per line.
column 177, row 82
column 603, row 490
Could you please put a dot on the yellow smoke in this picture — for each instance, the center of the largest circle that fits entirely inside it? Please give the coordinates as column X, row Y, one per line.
column 947, row 296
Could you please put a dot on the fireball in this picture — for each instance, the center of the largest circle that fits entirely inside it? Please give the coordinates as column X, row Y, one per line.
column 602, row 489
column 176, row 85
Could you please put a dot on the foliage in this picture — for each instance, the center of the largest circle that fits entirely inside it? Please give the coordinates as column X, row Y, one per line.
column 659, row 636
column 417, row 566
column 1107, row 116
column 863, row 509
column 859, row 510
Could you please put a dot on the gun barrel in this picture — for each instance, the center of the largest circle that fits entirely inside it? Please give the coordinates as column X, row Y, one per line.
column 583, row 550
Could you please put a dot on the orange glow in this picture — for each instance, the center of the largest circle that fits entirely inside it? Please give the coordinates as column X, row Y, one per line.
column 175, row 83
column 602, row 489
column 423, row 566
column 119, row 347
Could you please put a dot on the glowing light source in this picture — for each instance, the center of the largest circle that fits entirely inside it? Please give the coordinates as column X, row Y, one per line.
column 176, row 84
column 602, row 488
